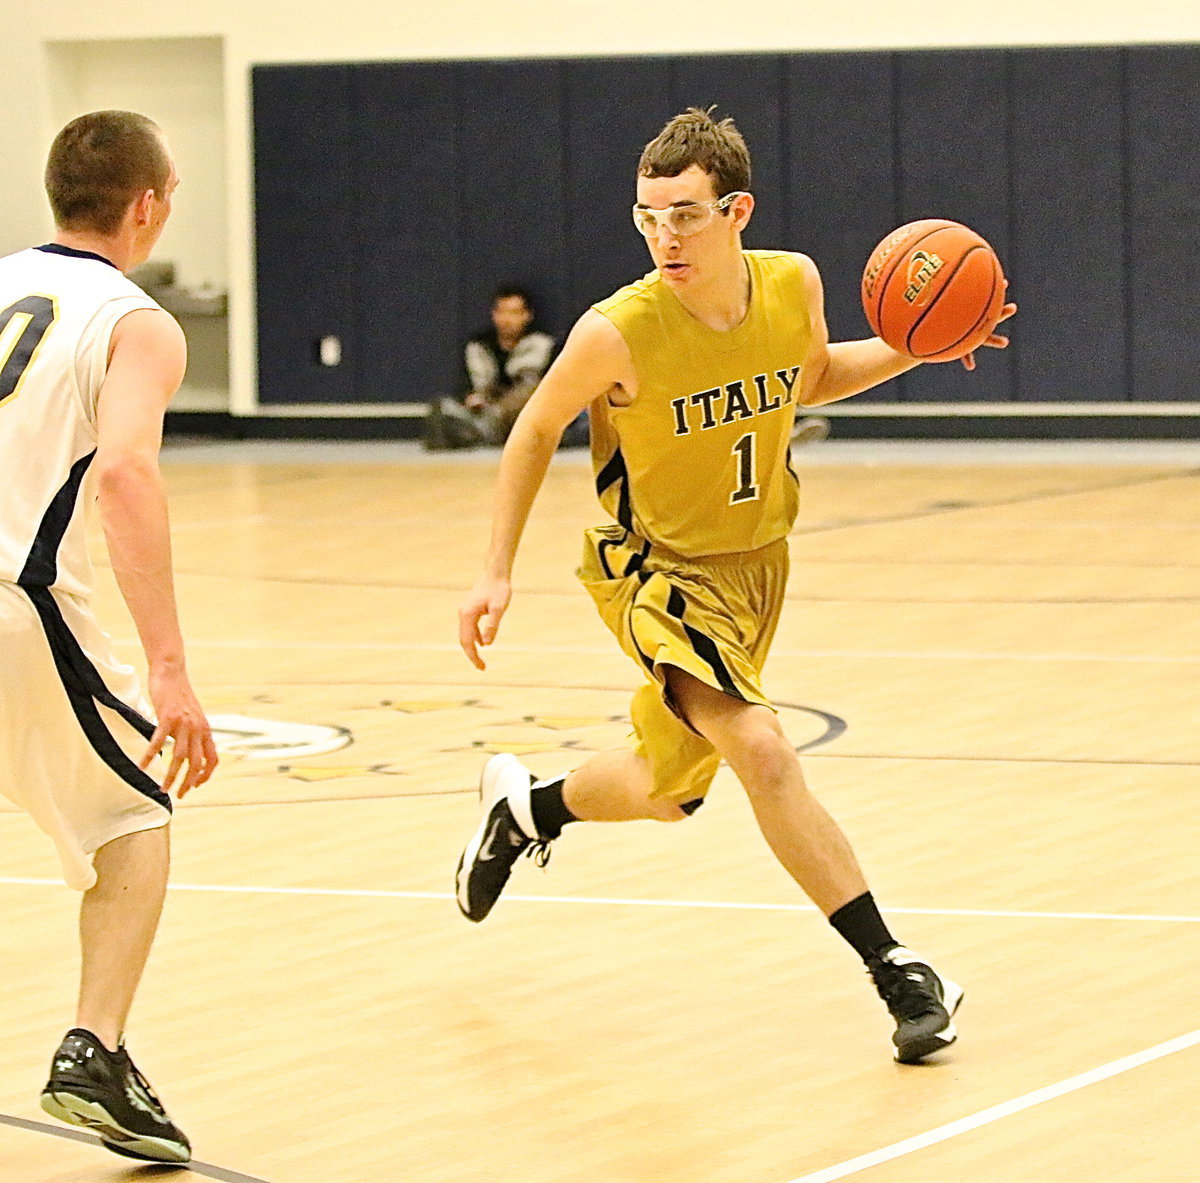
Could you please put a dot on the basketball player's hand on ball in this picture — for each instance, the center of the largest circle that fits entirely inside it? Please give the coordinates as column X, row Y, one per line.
column 181, row 722
column 995, row 340
column 480, row 615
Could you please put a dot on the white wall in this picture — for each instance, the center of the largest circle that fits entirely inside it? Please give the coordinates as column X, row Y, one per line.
column 256, row 31
column 179, row 84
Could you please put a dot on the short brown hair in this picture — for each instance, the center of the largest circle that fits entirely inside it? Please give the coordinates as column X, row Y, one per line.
column 694, row 137
column 101, row 162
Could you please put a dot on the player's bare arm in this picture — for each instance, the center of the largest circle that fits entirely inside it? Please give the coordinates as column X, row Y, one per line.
column 845, row 368
column 594, row 360
column 146, row 364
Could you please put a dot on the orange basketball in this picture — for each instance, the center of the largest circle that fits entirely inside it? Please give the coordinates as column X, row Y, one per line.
column 933, row 290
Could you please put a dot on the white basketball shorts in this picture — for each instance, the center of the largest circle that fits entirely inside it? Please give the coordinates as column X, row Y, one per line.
column 72, row 728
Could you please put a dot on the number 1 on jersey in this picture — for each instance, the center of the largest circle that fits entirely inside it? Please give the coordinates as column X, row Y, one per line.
column 744, row 450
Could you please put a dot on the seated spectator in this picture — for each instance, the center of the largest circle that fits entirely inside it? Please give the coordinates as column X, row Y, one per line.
column 503, row 366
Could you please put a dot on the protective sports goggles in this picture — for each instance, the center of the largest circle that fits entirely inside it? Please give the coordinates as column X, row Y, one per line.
column 687, row 218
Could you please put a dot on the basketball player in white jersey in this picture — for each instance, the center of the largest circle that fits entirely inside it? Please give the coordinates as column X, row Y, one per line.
column 88, row 364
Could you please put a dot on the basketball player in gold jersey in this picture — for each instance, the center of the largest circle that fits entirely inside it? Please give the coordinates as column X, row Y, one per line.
column 693, row 375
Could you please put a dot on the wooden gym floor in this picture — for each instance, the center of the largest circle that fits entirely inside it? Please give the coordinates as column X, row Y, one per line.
column 990, row 656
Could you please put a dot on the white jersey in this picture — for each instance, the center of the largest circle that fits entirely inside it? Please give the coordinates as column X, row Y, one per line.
column 58, row 308
column 72, row 725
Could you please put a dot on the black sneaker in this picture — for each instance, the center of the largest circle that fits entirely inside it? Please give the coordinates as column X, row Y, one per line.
column 505, row 832
column 921, row 1002
column 104, row 1092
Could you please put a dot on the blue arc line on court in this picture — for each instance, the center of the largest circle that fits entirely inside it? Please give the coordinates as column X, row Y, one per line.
column 835, row 725
column 726, row 905
column 196, row 1168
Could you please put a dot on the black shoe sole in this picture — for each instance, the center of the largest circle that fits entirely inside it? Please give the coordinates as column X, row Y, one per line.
column 91, row 1115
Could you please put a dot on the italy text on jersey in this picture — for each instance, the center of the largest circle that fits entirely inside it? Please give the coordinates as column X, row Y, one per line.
column 734, row 401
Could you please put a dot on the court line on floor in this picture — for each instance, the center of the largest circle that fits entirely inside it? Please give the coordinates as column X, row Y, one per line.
column 984, row 1117
column 608, row 651
column 919, row 513
column 616, row 901
column 151, row 1170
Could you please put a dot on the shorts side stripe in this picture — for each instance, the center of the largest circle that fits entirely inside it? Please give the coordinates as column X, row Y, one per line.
column 606, row 545
column 645, row 659
column 704, row 646
column 85, row 687
column 634, row 566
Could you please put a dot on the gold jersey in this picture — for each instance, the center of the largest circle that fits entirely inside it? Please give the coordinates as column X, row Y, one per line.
column 699, row 462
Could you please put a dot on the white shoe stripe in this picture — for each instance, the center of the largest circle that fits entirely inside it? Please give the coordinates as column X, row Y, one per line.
column 513, row 781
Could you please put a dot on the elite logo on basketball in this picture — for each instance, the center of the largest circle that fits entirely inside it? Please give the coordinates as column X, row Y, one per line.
column 922, row 267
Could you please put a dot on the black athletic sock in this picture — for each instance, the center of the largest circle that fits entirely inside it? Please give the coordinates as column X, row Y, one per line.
column 550, row 812
column 861, row 925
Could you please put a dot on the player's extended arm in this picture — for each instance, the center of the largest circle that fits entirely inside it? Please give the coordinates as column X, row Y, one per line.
column 147, row 357
column 588, row 366
column 834, row 372
column 837, row 371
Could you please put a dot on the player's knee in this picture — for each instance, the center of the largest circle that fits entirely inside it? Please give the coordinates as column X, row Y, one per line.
column 765, row 760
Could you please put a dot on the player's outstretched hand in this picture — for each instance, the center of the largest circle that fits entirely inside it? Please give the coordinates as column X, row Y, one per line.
column 181, row 721
column 996, row 340
column 480, row 615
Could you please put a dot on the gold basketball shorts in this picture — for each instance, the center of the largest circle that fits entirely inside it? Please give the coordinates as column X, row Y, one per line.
column 72, row 729
column 713, row 618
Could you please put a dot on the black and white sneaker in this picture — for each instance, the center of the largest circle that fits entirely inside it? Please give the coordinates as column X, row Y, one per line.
column 922, row 1003
column 104, row 1092
column 506, row 831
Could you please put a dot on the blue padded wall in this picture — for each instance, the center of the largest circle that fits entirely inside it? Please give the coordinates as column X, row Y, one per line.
column 1067, row 252
column 1163, row 223
column 302, row 122
column 511, row 186
column 610, row 102
column 841, row 177
column 393, row 197
column 952, row 161
column 403, row 247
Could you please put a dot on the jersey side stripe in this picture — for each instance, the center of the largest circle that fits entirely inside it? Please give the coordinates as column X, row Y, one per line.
column 609, row 475
column 41, row 568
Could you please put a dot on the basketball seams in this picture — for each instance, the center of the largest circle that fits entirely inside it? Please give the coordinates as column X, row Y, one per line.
column 933, row 303
column 984, row 315
column 987, row 312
